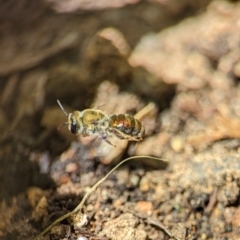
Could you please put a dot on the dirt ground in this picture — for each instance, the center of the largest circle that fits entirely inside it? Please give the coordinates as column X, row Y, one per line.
column 174, row 65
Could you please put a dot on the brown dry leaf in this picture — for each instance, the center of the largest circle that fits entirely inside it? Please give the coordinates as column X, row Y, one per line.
column 186, row 58
column 187, row 66
column 9, row 89
column 31, row 94
column 117, row 39
column 29, row 56
column 34, row 194
column 104, row 61
column 219, row 128
column 74, row 5
column 40, row 209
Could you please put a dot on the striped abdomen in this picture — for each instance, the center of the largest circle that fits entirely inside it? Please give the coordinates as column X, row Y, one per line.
column 125, row 126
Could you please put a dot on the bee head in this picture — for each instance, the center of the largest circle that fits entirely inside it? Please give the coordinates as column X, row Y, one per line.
column 73, row 123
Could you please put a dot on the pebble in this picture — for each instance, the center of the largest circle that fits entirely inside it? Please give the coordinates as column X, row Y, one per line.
column 144, row 207
column 177, row 144
column 144, row 184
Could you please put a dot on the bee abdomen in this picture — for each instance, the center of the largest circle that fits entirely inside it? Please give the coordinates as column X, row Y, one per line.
column 127, row 124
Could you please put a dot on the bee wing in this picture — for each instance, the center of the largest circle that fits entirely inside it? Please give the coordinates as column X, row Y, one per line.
column 122, row 135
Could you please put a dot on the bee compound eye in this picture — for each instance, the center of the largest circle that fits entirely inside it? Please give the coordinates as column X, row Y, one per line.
column 73, row 128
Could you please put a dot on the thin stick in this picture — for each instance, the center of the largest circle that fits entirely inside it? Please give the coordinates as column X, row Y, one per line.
column 92, row 189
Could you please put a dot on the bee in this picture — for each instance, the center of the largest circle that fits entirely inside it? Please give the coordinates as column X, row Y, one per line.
column 91, row 122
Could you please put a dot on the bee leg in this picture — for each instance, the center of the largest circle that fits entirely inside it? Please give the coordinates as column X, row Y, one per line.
column 106, row 140
column 104, row 137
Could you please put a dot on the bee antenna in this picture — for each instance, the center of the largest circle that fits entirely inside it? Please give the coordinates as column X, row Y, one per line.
column 61, row 106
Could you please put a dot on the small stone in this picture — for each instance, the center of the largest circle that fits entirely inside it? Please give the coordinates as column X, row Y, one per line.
column 71, row 167
column 144, row 184
column 177, row 144
column 119, row 202
column 134, row 180
column 144, row 207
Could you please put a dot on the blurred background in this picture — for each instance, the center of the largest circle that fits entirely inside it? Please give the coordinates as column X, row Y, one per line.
column 173, row 64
